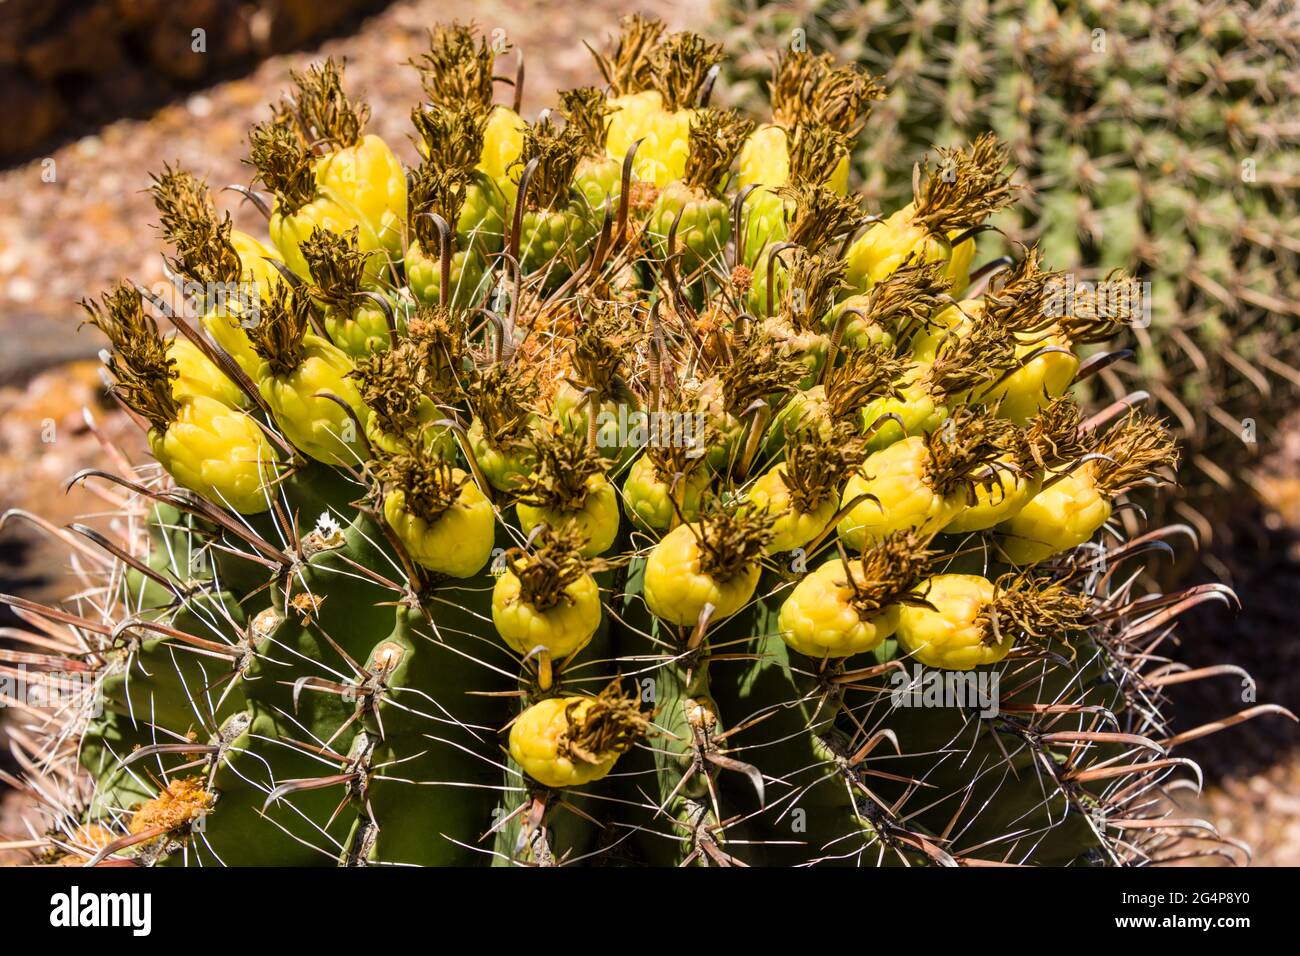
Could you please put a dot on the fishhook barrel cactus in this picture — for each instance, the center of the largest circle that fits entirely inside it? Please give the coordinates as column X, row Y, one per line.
column 534, row 507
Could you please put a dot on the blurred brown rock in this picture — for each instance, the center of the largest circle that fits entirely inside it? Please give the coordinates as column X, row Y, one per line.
column 77, row 63
column 32, row 111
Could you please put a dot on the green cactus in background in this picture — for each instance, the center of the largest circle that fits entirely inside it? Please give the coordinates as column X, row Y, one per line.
column 1157, row 137
column 573, row 558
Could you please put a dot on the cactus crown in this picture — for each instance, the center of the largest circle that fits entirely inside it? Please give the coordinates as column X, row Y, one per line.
column 456, row 70
column 1055, row 434
column 321, row 110
column 629, row 69
column 715, row 140
column 1135, row 451
column 965, row 187
column 587, row 110
column 557, row 150
column 758, row 372
column 395, row 385
column 1099, row 311
column 143, row 371
column 205, row 253
column 821, row 215
column 441, row 192
column 429, row 483
column 278, row 336
column 188, row 218
column 796, row 76
column 907, row 299
column 1016, row 299
column 610, row 724
column 680, row 64
column 283, row 163
column 815, row 280
column 545, row 570
column 600, row 348
column 886, row 572
column 450, row 137
column 974, row 356
column 437, row 338
column 731, row 536
column 336, row 265
column 181, row 198
column 816, row 465
column 676, row 461
column 564, row 465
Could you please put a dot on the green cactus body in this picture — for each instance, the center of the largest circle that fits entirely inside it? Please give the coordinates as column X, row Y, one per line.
column 556, row 239
column 469, row 277
column 702, row 231
column 413, row 609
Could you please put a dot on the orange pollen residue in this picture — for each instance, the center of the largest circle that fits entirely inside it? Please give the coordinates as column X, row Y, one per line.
column 181, row 802
column 88, row 838
column 742, row 278
column 641, row 196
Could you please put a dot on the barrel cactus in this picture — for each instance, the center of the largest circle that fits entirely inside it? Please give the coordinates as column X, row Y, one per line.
column 1156, row 137
column 489, row 524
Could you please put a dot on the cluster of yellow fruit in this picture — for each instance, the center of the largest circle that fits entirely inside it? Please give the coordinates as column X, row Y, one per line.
column 480, row 340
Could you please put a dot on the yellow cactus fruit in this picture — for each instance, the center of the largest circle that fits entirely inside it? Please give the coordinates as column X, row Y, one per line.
column 567, row 491
column 218, row 452
column 547, row 599
column 438, row 513
column 712, row 562
column 571, row 741
column 801, row 493
column 1072, row 506
column 964, row 188
column 196, row 374
column 206, row 446
column 848, row 607
column 962, row 621
column 298, row 373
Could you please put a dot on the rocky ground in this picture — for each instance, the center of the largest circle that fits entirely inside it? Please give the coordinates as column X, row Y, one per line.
column 76, row 221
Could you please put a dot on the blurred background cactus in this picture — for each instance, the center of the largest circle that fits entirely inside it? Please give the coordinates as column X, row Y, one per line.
column 1161, row 137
